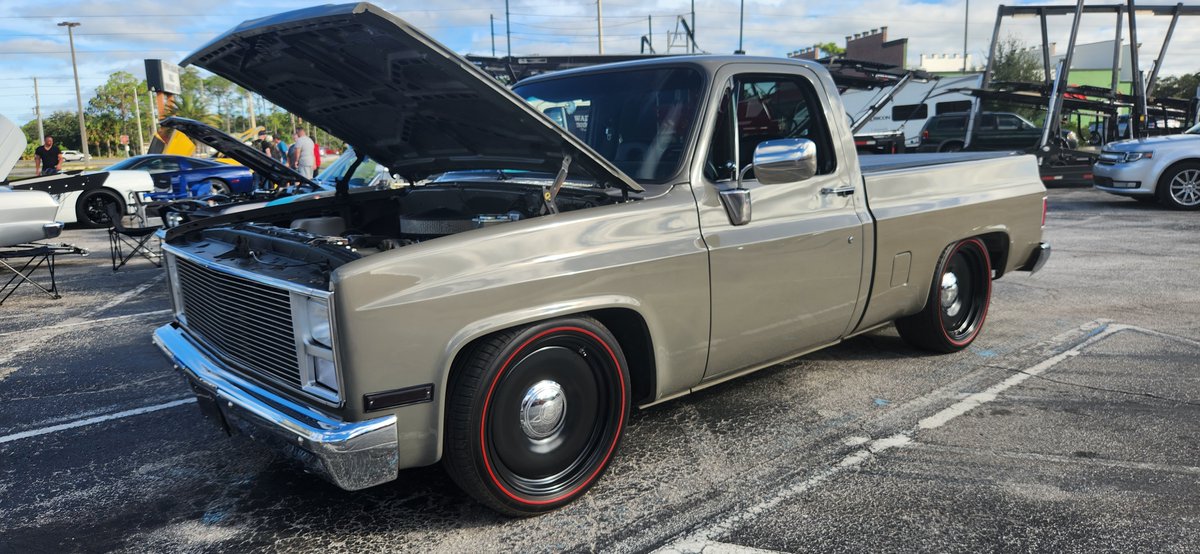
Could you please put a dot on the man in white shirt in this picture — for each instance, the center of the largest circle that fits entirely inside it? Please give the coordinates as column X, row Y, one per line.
column 300, row 154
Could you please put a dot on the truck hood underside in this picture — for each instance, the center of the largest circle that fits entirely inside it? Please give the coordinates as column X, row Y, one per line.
column 395, row 94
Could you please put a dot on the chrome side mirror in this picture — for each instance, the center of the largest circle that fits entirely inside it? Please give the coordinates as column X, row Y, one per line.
column 785, row 161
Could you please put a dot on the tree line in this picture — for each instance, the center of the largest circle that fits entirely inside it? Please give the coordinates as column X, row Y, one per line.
column 111, row 112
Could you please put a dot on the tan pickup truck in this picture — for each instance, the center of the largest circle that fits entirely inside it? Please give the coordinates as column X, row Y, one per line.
column 585, row 243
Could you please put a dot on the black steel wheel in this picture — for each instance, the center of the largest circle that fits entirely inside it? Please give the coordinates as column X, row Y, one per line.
column 1179, row 187
column 534, row 415
column 958, row 301
column 91, row 209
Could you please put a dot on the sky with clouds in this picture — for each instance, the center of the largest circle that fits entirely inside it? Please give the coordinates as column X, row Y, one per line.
column 117, row 36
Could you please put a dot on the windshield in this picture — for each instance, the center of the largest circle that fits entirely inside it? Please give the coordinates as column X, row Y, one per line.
column 124, row 164
column 364, row 175
column 638, row 120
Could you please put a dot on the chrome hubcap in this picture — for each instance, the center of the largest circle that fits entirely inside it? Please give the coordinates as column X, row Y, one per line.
column 949, row 294
column 1185, row 187
column 543, row 410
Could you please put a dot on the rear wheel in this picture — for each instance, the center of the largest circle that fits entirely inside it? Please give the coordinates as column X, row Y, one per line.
column 534, row 415
column 219, row 187
column 1179, row 187
column 952, row 146
column 958, row 301
column 91, row 209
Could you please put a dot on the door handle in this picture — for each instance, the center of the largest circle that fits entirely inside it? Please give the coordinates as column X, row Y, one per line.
column 840, row 191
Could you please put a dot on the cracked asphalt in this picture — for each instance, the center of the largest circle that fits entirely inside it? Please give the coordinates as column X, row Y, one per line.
column 1072, row 424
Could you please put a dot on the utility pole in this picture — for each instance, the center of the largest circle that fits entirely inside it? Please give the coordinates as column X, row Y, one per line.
column 693, row 37
column 153, row 115
column 507, row 29
column 70, row 25
column 492, row 23
column 966, row 19
column 600, row 26
column 37, row 108
column 137, row 114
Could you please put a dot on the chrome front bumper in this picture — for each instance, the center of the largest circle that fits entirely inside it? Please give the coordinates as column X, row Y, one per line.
column 351, row 455
column 52, row 230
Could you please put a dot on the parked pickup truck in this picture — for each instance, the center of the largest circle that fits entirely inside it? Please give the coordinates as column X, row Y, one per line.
column 675, row 223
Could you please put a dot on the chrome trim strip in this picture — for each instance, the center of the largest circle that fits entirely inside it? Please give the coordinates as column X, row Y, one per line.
column 280, row 283
column 351, row 455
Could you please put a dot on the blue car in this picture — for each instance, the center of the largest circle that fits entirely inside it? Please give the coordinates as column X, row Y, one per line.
column 177, row 177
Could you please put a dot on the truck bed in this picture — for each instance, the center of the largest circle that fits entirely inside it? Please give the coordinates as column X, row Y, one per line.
column 882, row 163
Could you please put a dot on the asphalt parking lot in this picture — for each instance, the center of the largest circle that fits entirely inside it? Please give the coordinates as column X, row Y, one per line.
column 1072, row 424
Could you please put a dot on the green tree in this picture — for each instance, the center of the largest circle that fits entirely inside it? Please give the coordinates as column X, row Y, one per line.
column 62, row 125
column 1180, row 86
column 191, row 106
column 830, row 49
column 1016, row 61
column 110, row 112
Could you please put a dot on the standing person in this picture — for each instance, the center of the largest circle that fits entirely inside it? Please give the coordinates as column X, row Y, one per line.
column 316, row 158
column 301, row 154
column 281, row 149
column 47, row 158
column 264, row 144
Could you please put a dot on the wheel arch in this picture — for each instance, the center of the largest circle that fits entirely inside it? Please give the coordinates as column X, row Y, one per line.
column 1158, row 179
column 998, row 244
column 623, row 316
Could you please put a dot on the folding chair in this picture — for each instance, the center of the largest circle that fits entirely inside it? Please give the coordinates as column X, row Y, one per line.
column 139, row 240
column 36, row 256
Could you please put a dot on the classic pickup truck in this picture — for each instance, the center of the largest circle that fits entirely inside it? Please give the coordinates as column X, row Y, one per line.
column 587, row 242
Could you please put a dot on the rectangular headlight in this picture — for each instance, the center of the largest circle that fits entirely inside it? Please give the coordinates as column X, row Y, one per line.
column 1135, row 156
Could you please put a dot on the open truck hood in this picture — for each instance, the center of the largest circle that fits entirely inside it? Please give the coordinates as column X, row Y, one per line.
column 12, row 145
column 246, row 155
column 395, row 94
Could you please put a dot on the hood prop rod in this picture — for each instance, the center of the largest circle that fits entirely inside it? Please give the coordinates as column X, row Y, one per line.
column 552, row 193
column 343, row 184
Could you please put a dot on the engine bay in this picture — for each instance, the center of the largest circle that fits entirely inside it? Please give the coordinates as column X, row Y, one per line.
column 303, row 242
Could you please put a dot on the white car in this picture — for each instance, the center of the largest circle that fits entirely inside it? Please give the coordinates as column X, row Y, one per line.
column 84, row 197
column 72, row 156
column 1166, row 169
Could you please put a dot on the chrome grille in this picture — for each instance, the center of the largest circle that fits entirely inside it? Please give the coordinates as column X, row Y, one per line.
column 247, row 323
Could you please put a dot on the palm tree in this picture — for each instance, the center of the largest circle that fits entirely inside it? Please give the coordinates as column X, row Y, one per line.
column 192, row 107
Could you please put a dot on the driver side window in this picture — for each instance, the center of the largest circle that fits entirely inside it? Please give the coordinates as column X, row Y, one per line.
column 769, row 107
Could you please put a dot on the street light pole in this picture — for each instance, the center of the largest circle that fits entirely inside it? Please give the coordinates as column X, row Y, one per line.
column 137, row 114
column 78, row 97
column 966, row 24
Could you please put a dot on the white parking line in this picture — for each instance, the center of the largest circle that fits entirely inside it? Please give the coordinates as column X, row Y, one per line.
column 92, row 322
column 695, row 542
column 94, row 420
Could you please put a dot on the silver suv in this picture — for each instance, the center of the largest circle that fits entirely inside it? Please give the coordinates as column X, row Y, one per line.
column 1166, row 169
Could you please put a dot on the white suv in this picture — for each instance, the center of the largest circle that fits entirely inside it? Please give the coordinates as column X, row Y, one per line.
column 1165, row 168
column 72, row 156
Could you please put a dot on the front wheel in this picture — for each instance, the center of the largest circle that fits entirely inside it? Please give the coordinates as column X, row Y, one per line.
column 534, row 415
column 958, row 301
column 91, row 209
column 1179, row 187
